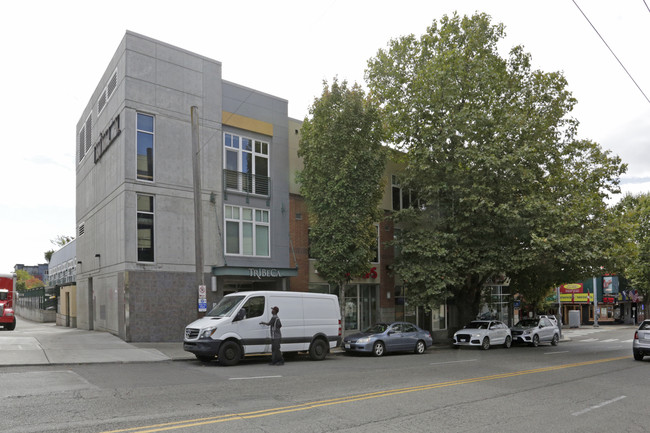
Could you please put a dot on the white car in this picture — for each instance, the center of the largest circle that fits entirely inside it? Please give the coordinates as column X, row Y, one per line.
column 641, row 342
column 483, row 334
column 550, row 317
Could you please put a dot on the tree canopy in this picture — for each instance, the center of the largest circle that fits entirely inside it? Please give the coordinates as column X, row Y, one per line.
column 504, row 186
column 633, row 213
column 341, row 147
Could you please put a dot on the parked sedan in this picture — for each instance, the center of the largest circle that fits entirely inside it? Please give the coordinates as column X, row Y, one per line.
column 389, row 337
column 483, row 333
column 641, row 342
column 534, row 331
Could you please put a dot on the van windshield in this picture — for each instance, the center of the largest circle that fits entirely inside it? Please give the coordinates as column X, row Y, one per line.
column 225, row 307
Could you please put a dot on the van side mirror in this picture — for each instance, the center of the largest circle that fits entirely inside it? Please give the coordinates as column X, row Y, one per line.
column 241, row 315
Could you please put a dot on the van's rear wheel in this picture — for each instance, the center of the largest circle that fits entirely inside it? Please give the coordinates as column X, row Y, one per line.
column 318, row 350
column 229, row 353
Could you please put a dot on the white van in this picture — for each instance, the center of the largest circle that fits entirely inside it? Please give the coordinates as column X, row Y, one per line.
column 310, row 322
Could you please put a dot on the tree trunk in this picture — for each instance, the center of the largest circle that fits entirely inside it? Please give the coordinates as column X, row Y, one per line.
column 466, row 302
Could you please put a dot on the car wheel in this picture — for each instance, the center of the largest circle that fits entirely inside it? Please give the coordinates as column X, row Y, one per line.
column 204, row 358
column 555, row 340
column 508, row 342
column 318, row 350
column 535, row 342
column 485, row 345
column 11, row 326
column 229, row 353
column 638, row 356
column 378, row 349
column 420, row 347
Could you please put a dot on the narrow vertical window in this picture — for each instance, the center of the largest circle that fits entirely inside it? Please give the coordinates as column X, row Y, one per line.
column 145, row 142
column 145, row 228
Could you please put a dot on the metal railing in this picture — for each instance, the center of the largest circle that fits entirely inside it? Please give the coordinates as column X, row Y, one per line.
column 39, row 298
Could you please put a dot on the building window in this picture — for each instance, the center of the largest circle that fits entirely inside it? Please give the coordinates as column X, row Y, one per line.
column 247, row 231
column 375, row 259
column 401, row 199
column 145, row 228
column 246, row 164
column 145, row 133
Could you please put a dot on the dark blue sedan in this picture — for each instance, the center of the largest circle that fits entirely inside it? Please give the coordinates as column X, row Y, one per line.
column 389, row 337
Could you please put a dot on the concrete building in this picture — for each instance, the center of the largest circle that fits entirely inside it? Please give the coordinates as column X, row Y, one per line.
column 136, row 251
column 62, row 270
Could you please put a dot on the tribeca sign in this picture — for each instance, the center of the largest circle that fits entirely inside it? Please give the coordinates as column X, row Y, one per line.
column 264, row 272
column 107, row 138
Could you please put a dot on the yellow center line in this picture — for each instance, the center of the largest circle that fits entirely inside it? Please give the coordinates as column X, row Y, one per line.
column 349, row 399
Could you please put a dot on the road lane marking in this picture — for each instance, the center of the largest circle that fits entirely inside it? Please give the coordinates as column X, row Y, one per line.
column 348, row 399
column 554, row 353
column 598, row 406
column 252, row 377
column 588, row 340
column 452, row 362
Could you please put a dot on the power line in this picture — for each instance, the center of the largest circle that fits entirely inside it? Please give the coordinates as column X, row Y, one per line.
column 611, row 51
column 646, row 5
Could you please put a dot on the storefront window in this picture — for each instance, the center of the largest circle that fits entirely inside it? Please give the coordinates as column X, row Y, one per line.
column 351, row 309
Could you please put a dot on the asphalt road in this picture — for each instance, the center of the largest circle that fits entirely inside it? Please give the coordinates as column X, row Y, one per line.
column 588, row 384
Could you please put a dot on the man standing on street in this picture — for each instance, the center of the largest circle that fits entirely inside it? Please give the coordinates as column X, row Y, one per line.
column 276, row 336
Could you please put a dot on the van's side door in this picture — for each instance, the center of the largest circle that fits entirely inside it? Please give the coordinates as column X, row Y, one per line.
column 255, row 337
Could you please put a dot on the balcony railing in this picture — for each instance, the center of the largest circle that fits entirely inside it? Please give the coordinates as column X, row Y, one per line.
column 246, row 183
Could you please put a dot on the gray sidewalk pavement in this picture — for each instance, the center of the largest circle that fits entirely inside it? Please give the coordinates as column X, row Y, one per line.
column 34, row 343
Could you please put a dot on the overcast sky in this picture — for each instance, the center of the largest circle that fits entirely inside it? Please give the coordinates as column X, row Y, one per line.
column 56, row 52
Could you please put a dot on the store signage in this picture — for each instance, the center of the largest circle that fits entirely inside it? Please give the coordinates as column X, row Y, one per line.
column 571, row 288
column 575, row 297
column 260, row 273
column 608, row 299
column 107, row 137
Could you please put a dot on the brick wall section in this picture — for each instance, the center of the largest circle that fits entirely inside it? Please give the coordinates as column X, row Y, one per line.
column 386, row 259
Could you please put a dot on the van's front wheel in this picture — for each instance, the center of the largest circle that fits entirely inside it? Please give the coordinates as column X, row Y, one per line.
column 318, row 350
column 229, row 353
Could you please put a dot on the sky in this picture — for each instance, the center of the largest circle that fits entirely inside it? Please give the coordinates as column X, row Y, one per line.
column 56, row 52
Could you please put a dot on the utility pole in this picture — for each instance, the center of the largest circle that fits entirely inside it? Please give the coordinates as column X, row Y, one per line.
column 595, row 305
column 198, row 208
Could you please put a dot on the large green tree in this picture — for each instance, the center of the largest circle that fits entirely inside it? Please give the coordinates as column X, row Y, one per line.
column 633, row 213
column 341, row 147
column 504, row 186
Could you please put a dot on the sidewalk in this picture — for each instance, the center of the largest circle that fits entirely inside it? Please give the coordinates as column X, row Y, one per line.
column 34, row 343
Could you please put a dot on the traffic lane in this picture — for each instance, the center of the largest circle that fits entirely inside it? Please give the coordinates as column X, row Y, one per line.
column 180, row 390
column 498, row 402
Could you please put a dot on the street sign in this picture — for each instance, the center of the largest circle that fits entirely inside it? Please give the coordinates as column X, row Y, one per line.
column 203, row 299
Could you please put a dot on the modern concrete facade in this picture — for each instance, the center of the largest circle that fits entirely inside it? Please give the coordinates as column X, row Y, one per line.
column 136, row 255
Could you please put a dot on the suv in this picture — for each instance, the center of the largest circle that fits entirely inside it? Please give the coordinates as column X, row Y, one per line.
column 550, row 317
column 641, row 342
column 535, row 331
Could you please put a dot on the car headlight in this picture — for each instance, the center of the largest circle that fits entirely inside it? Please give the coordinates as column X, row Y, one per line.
column 364, row 340
column 477, row 335
column 207, row 333
column 527, row 332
